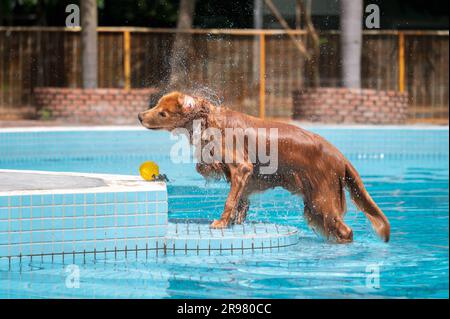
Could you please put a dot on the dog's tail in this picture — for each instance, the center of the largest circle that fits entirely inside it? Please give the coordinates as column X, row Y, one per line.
column 365, row 203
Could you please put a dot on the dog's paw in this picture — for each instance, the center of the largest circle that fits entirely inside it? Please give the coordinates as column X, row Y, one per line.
column 216, row 224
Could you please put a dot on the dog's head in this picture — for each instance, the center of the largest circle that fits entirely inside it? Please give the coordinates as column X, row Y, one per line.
column 173, row 110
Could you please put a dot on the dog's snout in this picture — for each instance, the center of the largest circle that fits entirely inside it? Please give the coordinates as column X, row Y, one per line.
column 140, row 117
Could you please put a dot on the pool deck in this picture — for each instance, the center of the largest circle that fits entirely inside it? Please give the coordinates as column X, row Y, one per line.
column 21, row 182
column 38, row 126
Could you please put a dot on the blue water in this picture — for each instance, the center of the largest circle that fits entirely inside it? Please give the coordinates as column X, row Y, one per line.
column 405, row 170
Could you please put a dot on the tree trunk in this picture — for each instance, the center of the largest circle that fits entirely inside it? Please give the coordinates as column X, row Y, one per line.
column 181, row 45
column 41, row 14
column 313, row 37
column 351, row 38
column 89, row 43
column 258, row 7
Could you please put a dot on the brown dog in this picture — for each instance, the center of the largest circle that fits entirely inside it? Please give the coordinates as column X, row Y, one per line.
column 308, row 165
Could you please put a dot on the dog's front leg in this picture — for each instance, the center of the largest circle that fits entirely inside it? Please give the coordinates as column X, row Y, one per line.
column 242, row 209
column 239, row 174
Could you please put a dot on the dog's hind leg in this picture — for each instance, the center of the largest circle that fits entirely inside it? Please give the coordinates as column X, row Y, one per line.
column 314, row 220
column 324, row 211
column 327, row 220
column 340, row 230
column 336, row 225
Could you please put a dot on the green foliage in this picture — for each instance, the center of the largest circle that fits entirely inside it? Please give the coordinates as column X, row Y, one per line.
column 45, row 114
column 156, row 13
column 146, row 13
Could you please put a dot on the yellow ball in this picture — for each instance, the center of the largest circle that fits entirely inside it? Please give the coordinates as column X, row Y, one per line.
column 149, row 170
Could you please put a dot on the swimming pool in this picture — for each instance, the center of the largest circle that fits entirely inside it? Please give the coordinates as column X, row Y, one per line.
column 405, row 169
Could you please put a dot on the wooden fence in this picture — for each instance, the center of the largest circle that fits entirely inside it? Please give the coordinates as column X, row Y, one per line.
column 226, row 62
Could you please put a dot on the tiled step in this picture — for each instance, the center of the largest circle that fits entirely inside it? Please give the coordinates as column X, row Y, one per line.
column 114, row 213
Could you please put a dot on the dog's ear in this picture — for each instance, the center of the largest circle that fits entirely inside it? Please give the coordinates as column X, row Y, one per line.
column 187, row 102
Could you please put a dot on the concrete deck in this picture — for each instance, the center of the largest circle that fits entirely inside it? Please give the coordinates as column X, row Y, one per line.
column 15, row 181
column 23, row 182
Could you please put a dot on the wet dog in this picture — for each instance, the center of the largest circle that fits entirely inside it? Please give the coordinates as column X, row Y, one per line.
column 307, row 165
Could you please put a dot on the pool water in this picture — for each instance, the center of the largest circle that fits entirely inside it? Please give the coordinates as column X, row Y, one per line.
column 406, row 170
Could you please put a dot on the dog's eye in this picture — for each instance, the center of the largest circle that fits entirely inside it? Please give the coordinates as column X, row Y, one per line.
column 162, row 114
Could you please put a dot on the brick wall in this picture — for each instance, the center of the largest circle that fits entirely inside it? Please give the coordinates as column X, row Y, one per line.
column 98, row 106
column 341, row 105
